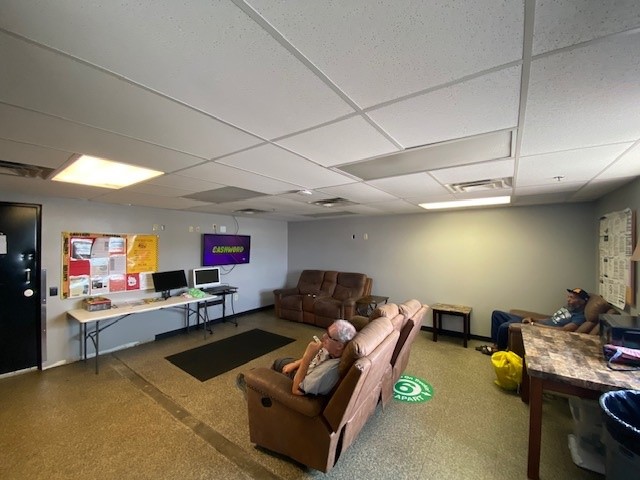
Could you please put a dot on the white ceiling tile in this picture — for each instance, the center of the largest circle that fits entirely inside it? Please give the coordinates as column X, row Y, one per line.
column 134, row 198
column 396, row 206
column 628, row 166
column 158, row 190
column 573, row 165
column 476, row 171
column 378, row 51
column 561, row 23
column 223, row 174
column 188, row 184
column 358, row 192
column 583, row 97
column 29, row 127
column 206, row 54
column 597, row 189
column 409, row 185
column 340, row 142
column 272, row 161
column 18, row 152
column 557, row 187
column 99, row 99
column 483, row 104
column 39, row 187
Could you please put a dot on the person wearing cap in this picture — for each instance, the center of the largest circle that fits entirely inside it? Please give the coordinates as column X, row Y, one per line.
column 569, row 318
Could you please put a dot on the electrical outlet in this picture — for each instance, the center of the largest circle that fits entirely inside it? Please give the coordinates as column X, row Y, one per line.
column 191, row 228
column 198, row 228
column 214, row 226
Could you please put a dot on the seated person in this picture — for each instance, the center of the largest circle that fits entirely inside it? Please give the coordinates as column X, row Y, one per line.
column 316, row 372
column 569, row 318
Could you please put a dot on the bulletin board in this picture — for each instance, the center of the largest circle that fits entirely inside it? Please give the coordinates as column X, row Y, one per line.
column 103, row 263
column 616, row 275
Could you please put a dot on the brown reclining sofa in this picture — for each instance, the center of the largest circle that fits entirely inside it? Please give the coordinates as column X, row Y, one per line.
column 315, row 430
column 321, row 297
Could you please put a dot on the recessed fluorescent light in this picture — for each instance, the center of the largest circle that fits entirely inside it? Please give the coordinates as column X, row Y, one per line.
column 472, row 202
column 100, row 172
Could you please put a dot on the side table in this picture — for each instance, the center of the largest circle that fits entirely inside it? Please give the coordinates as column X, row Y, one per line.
column 366, row 305
column 457, row 310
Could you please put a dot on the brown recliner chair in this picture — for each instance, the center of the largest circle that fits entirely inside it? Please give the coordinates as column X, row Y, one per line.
column 592, row 311
column 315, row 430
column 291, row 303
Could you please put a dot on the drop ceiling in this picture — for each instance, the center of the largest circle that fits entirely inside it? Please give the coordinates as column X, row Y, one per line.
column 385, row 104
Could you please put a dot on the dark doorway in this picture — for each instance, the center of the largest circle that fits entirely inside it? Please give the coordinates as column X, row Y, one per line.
column 20, row 289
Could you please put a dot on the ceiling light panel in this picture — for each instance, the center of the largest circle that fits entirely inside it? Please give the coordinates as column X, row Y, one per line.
column 442, row 155
column 574, row 165
column 562, row 23
column 582, row 97
column 396, row 57
column 101, row 172
column 274, row 162
column 482, row 104
column 340, row 142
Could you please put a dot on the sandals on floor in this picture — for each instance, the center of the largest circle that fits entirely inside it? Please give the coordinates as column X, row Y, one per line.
column 487, row 349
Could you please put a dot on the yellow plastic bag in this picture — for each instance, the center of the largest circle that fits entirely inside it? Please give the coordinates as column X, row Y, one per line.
column 508, row 367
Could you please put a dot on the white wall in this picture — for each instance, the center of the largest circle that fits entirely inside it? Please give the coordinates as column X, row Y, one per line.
column 626, row 197
column 178, row 249
column 502, row 258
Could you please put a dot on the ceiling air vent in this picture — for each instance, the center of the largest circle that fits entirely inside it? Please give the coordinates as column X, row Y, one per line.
column 332, row 202
column 480, row 185
column 250, row 211
column 24, row 170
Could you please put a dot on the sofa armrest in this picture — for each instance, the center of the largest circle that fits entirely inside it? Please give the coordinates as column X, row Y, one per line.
column 284, row 292
column 269, row 383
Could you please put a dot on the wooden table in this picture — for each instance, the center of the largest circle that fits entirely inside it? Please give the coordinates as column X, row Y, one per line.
column 568, row 363
column 366, row 305
column 458, row 310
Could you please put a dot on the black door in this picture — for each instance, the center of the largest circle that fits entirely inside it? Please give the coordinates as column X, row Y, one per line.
column 20, row 314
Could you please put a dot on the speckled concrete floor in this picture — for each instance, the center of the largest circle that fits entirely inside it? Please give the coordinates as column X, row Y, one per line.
column 144, row 418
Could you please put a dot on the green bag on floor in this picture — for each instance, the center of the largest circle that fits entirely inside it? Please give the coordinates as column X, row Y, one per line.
column 508, row 367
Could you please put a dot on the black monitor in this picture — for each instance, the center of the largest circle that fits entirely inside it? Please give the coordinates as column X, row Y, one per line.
column 166, row 281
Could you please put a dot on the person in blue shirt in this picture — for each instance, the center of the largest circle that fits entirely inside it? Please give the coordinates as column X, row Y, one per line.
column 569, row 318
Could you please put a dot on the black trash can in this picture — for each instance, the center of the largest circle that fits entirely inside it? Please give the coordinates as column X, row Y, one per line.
column 621, row 412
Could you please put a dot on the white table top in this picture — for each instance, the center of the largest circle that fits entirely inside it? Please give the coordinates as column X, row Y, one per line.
column 137, row 306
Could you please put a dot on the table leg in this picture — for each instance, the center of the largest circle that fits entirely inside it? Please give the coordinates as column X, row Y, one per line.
column 535, row 428
column 465, row 327
column 436, row 325
column 97, row 342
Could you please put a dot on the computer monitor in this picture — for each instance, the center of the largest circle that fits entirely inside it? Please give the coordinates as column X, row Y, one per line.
column 166, row 281
column 205, row 277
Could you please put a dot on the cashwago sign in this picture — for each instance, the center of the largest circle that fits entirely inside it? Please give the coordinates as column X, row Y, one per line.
column 412, row 389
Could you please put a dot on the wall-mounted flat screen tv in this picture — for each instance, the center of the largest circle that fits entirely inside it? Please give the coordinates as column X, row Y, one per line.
column 220, row 249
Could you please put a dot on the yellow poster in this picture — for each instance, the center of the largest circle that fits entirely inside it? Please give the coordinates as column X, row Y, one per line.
column 142, row 253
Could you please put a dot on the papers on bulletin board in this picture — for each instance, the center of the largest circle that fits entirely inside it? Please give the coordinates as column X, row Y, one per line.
column 615, row 248
column 98, row 263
